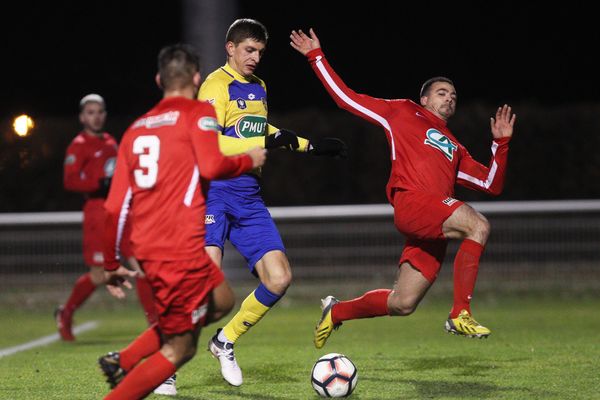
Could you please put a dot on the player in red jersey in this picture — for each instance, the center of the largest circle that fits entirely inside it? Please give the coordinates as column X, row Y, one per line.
column 164, row 165
column 88, row 169
column 427, row 161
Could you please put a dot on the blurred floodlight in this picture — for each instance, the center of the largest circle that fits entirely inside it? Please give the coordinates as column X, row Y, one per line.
column 23, row 125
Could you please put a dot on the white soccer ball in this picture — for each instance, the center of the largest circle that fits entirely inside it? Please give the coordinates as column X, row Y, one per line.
column 334, row 375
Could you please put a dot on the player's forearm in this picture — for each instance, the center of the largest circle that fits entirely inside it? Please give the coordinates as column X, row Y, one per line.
column 372, row 109
column 500, row 161
column 110, row 240
column 232, row 146
column 329, row 78
column 74, row 183
column 490, row 179
column 212, row 164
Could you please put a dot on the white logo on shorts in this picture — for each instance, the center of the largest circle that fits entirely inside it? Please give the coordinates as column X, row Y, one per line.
column 209, row 219
column 98, row 257
column 449, row 201
column 199, row 313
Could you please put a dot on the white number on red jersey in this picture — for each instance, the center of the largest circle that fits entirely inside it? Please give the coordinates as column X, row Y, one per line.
column 148, row 149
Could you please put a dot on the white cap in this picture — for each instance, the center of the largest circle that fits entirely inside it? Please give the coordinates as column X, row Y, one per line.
column 92, row 97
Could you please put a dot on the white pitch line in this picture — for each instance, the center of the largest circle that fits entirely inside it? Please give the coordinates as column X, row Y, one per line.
column 46, row 340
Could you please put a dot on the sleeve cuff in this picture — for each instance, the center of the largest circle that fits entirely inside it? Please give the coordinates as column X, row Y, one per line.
column 503, row 140
column 111, row 265
column 313, row 54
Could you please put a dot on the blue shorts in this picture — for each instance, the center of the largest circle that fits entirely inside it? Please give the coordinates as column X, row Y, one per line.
column 245, row 221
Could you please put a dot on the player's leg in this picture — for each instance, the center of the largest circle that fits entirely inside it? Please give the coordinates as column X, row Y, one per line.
column 93, row 232
column 275, row 276
column 409, row 288
column 182, row 313
column 82, row 290
column 157, row 368
column 468, row 224
column 255, row 236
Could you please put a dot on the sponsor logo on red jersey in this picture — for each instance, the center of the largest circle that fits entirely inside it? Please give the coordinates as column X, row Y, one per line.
column 438, row 140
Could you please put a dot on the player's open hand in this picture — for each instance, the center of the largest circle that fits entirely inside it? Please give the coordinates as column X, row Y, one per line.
column 502, row 125
column 303, row 43
column 116, row 280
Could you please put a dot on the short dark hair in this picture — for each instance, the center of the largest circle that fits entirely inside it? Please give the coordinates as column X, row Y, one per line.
column 177, row 65
column 246, row 28
column 427, row 85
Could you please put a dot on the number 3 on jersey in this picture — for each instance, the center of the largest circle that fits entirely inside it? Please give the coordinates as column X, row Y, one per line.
column 148, row 149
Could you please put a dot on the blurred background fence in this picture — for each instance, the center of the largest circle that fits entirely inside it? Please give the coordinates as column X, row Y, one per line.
column 542, row 245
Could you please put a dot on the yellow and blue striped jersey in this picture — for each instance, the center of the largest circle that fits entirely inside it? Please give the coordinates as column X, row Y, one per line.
column 241, row 107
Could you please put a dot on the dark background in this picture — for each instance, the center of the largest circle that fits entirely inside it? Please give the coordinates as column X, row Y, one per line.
column 538, row 60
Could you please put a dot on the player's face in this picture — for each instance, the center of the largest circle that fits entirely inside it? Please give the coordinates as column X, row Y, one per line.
column 441, row 100
column 92, row 117
column 245, row 56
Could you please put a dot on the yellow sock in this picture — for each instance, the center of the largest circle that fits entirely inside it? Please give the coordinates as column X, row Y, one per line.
column 250, row 313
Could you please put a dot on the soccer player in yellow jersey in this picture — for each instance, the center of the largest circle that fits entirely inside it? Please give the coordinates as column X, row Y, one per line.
column 235, row 209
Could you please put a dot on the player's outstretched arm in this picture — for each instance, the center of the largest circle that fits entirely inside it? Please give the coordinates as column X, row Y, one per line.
column 370, row 108
column 502, row 126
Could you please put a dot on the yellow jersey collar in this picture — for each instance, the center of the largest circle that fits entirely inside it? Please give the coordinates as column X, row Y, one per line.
column 235, row 74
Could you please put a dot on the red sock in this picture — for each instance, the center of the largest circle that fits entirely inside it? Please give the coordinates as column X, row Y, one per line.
column 466, row 265
column 81, row 291
column 138, row 383
column 144, row 291
column 371, row 304
column 144, row 345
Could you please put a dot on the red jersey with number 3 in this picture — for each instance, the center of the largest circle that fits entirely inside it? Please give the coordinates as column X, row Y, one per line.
column 425, row 154
column 165, row 161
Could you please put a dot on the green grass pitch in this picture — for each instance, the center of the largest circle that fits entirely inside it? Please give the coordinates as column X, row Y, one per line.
column 540, row 348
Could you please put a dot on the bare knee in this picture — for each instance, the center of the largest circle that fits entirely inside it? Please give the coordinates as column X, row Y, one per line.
column 401, row 306
column 481, row 230
column 279, row 281
column 179, row 354
column 97, row 275
column 275, row 272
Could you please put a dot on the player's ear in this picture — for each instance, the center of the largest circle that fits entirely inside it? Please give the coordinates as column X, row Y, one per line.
column 197, row 78
column 157, row 80
column 229, row 48
column 423, row 100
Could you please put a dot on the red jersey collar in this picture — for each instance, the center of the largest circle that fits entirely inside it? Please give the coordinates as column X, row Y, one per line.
column 432, row 117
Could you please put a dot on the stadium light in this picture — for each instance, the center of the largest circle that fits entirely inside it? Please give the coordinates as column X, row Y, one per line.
column 23, row 125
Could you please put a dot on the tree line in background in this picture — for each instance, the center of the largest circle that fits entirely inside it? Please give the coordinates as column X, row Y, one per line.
column 555, row 154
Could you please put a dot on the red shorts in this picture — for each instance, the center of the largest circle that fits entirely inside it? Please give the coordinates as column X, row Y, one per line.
column 420, row 217
column 181, row 291
column 93, row 232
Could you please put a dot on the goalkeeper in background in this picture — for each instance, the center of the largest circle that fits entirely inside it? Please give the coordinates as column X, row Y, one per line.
column 235, row 209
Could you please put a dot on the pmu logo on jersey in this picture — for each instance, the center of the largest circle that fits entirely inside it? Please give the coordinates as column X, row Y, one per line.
column 251, row 126
column 441, row 142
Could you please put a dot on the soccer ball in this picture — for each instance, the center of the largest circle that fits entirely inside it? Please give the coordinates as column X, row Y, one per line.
column 334, row 375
